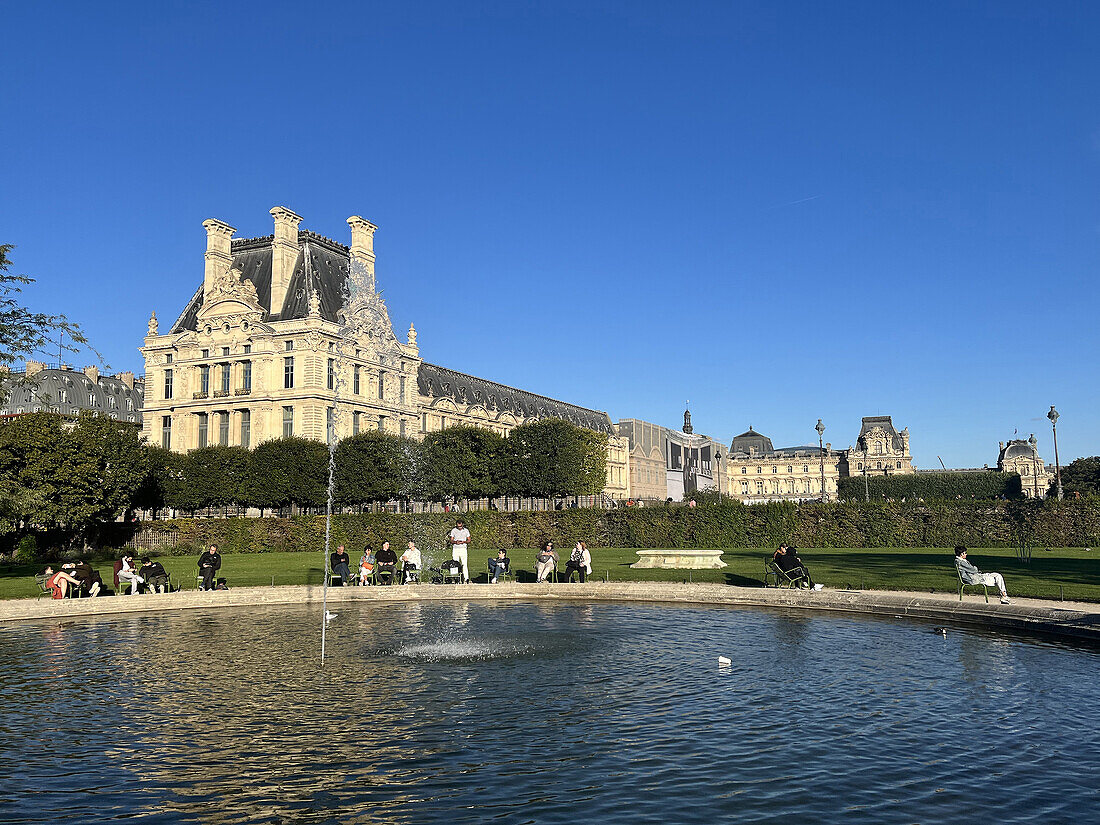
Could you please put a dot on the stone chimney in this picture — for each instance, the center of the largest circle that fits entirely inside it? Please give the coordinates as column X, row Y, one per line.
column 34, row 367
column 126, row 378
column 218, row 257
column 93, row 373
column 362, row 252
column 284, row 255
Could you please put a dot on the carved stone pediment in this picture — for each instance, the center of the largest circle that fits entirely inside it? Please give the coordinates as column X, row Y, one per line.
column 229, row 294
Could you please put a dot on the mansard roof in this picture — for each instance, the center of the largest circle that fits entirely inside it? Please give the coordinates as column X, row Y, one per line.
column 442, row 382
column 43, row 392
column 1016, row 448
column 751, row 440
column 322, row 267
column 886, row 424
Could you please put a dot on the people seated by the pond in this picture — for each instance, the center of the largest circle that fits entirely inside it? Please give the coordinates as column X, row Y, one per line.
column 60, row 582
column 340, row 564
column 156, row 577
column 367, row 563
column 498, row 566
column 91, row 583
column 972, row 575
column 787, row 560
column 546, row 560
column 128, row 572
column 580, row 562
column 210, row 563
column 411, row 563
column 387, row 563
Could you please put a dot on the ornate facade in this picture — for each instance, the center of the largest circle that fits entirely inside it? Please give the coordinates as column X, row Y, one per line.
column 757, row 472
column 1021, row 456
column 647, row 471
column 288, row 335
column 879, row 450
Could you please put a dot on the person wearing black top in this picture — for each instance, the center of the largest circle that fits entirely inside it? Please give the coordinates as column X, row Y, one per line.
column 339, row 563
column 210, row 563
column 788, row 561
column 155, row 575
column 387, row 562
column 91, row 583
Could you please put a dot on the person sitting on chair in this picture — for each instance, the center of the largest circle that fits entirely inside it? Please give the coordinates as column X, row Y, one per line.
column 788, row 561
column 339, row 564
column 545, row 561
column 59, row 582
column 155, row 575
column 498, row 566
column 366, row 565
column 580, row 562
column 387, row 562
column 91, row 583
column 972, row 575
column 410, row 563
column 210, row 563
column 129, row 573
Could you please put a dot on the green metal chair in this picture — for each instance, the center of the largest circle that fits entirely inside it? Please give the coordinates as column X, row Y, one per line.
column 963, row 585
column 783, row 578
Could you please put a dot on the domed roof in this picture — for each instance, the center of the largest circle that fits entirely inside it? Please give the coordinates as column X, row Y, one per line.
column 751, row 441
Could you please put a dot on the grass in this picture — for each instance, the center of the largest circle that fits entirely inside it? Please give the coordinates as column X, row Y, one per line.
column 1069, row 572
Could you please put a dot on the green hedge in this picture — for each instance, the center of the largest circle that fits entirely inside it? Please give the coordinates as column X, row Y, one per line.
column 846, row 524
column 948, row 486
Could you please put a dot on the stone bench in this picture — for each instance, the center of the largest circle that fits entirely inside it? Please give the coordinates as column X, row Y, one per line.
column 696, row 559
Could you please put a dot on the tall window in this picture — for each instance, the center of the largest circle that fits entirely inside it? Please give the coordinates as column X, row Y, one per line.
column 330, row 424
column 355, row 380
column 225, row 352
column 203, row 433
column 246, row 428
column 330, row 375
column 204, row 379
column 246, row 376
column 63, row 396
column 288, row 372
column 167, row 384
column 223, row 429
column 760, row 488
column 744, row 488
column 288, row 422
column 93, row 400
column 225, row 378
column 289, row 346
column 205, row 353
column 381, row 385
column 401, row 390
column 166, row 432
column 129, row 405
column 402, row 427
column 247, row 349
column 355, row 423
column 111, row 402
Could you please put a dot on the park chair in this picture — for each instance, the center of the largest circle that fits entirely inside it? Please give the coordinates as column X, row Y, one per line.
column 43, row 588
column 450, row 572
column 409, row 575
column 120, row 583
column 552, row 576
column 963, row 585
column 385, row 574
column 790, row 580
column 501, row 577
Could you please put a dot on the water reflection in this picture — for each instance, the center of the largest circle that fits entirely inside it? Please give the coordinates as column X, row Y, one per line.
column 451, row 712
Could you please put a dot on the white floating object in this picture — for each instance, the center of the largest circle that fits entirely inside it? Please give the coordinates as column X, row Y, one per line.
column 722, row 660
column 329, row 615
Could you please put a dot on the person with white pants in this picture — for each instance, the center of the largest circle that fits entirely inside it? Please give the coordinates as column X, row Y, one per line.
column 972, row 575
column 459, row 539
column 129, row 573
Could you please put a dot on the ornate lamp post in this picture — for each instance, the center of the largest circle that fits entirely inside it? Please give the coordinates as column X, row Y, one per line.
column 1053, row 416
column 718, row 471
column 821, row 454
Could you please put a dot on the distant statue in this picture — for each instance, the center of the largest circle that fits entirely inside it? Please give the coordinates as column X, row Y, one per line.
column 687, row 422
column 314, row 304
column 153, row 324
column 412, row 335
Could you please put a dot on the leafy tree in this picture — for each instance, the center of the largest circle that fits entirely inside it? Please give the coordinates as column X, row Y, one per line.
column 553, row 457
column 164, row 483
column 23, row 332
column 371, row 466
column 464, row 462
column 215, row 475
column 287, row 471
column 1080, row 476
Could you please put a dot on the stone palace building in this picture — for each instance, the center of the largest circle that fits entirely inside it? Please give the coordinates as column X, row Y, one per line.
column 288, row 335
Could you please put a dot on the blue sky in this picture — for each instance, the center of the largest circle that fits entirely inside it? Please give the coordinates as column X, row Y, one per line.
column 780, row 211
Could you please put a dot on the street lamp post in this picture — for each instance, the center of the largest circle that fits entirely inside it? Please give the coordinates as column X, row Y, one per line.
column 821, row 453
column 1053, row 416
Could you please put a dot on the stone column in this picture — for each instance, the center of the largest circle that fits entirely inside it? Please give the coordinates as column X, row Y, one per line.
column 218, row 256
column 284, row 255
column 362, row 253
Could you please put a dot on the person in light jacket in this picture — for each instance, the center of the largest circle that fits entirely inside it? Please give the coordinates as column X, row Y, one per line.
column 972, row 575
column 580, row 561
column 545, row 561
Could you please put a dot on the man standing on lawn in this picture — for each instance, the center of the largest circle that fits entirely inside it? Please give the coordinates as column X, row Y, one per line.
column 459, row 539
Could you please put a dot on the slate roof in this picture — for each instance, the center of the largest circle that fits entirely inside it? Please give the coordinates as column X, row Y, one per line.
column 1016, row 448
column 322, row 267
column 887, row 425
column 467, row 389
column 43, row 393
column 751, row 439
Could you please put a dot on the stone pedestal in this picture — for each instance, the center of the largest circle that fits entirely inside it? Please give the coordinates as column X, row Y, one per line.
column 696, row 559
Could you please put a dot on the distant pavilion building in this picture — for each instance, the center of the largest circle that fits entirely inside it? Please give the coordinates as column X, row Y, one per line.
column 757, row 472
column 70, row 392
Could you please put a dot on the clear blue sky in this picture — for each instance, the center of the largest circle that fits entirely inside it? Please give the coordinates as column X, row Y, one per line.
column 780, row 211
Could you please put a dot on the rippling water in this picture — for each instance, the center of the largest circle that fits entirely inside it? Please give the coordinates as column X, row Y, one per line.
column 519, row 713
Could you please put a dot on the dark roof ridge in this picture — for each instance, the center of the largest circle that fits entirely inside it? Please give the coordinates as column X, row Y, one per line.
column 246, row 244
column 333, row 246
column 515, row 389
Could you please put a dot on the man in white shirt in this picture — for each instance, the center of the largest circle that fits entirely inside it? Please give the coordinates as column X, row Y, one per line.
column 459, row 539
column 128, row 573
column 411, row 561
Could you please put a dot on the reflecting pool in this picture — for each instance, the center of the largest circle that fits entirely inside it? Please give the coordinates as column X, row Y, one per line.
column 527, row 712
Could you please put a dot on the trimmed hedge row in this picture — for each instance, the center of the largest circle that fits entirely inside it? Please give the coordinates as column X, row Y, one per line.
column 874, row 524
column 945, row 486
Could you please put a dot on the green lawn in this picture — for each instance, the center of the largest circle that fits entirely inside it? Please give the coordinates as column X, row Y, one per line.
column 919, row 568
